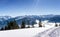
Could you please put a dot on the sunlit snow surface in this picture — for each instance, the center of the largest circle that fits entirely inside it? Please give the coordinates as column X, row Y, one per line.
column 53, row 32
column 48, row 31
column 30, row 32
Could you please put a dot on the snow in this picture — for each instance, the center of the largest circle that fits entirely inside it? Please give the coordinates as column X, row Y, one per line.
column 30, row 32
column 53, row 32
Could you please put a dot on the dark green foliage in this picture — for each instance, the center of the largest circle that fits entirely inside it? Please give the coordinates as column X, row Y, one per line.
column 11, row 25
column 23, row 24
column 59, row 24
column 2, row 28
column 33, row 24
column 56, row 25
column 40, row 24
column 6, row 28
column 28, row 26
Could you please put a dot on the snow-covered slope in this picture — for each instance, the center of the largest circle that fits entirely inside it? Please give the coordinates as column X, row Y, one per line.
column 30, row 32
column 27, row 32
column 53, row 32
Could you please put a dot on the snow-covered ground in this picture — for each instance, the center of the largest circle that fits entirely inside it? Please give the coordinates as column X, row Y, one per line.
column 53, row 32
column 30, row 32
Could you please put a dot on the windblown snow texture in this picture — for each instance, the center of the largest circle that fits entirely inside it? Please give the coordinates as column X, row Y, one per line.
column 53, row 32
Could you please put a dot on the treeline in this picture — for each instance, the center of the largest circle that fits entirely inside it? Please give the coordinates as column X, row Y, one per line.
column 10, row 25
column 13, row 25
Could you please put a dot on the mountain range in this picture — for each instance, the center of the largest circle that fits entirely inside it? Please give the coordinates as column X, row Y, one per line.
column 29, row 18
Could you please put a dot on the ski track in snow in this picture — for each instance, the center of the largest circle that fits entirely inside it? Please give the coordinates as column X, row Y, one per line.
column 53, row 32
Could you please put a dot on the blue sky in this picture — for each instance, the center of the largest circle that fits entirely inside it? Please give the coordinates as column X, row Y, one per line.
column 29, row 7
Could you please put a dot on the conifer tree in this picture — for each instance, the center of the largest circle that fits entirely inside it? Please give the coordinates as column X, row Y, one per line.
column 40, row 24
column 12, row 25
column 23, row 24
column 59, row 24
column 33, row 24
column 28, row 23
column 2, row 28
column 56, row 25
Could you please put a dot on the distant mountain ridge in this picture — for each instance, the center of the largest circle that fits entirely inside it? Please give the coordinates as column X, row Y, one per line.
column 55, row 19
column 31, row 18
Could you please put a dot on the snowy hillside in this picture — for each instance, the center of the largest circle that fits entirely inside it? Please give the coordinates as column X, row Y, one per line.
column 30, row 18
column 26, row 32
column 53, row 32
column 30, row 32
column 47, row 31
